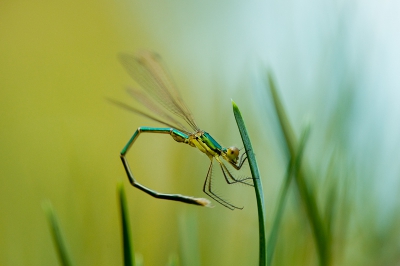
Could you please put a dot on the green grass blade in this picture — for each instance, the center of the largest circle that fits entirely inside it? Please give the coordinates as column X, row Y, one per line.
column 293, row 167
column 307, row 197
column 257, row 183
column 129, row 256
column 56, row 233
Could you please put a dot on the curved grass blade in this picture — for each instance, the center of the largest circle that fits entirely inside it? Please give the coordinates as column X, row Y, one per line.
column 307, row 197
column 129, row 256
column 56, row 233
column 257, row 183
column 293, row 168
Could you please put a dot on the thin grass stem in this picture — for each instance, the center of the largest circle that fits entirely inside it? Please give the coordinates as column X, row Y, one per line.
column 129, row 256
column 59, row 241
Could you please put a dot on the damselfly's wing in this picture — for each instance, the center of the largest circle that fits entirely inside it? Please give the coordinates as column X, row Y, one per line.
column 148, row 71
column 146, row 101
column 137, row 111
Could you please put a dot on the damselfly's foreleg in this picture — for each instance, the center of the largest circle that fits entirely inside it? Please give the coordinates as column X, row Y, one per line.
column 243, row 158
column 207, row 189
column 237, row 166
column 178, row 136
column 230, row 179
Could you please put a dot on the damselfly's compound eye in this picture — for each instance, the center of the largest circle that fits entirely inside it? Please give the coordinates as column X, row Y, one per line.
column 232, row 153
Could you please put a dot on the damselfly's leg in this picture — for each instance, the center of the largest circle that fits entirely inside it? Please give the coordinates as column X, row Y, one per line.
column 237, row 166
column 232, row 179
column 176, row 135
column 207, row 189
column 242, row 159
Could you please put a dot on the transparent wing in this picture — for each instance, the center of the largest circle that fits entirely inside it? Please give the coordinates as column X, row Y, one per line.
column 137, row 111
column 142, row 98
column 148, row 71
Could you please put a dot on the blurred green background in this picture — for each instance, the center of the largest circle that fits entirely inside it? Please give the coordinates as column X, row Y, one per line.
column 336, row 64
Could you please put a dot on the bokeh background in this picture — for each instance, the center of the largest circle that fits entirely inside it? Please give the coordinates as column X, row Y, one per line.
column 336, row 64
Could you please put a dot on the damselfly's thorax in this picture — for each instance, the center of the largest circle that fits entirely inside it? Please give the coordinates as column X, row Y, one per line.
column 208, row 145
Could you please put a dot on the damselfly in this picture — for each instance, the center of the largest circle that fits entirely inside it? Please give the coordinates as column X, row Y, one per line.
column 148, row 71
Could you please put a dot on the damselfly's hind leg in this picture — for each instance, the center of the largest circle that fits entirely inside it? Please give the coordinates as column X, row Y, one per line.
column 207, row 189
column 177, row 135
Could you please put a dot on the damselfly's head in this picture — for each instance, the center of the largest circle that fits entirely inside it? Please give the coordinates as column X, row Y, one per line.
column 232, row 153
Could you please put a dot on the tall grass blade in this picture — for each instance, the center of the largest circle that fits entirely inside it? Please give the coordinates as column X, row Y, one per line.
column 257, row 183
column 294, row 166
column 129, row 256
column 56, row 233
column 308, row 198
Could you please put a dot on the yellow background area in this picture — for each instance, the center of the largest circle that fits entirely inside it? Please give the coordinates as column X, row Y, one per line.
column 60, row 139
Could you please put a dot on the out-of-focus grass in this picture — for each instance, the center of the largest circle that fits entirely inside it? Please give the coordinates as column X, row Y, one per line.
column 189, row 244
column 191, row 255
column 307, row 195
column 173, row 260
column 58, row 239
column 292, row 170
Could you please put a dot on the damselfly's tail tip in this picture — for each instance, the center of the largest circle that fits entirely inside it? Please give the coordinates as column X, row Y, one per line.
column 204, row 202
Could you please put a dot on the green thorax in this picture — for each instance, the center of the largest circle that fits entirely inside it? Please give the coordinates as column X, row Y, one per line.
column 211, row 142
